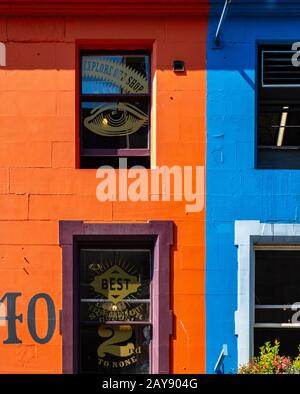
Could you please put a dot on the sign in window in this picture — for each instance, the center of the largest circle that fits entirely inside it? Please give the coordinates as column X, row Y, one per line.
column 115, row 310
column 114, row 108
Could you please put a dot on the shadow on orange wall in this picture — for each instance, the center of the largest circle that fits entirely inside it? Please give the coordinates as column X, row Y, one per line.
column 40, row 185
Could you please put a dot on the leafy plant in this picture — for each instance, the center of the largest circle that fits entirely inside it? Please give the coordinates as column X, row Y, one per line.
column 270, row 361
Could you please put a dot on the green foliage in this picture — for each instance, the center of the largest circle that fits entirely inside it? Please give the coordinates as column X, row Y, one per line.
column 270, row 361
column 296, row 362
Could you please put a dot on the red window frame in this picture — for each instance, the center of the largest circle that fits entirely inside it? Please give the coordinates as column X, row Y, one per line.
column 134, row 156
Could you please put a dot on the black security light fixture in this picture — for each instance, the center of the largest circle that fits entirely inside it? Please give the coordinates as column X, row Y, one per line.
column 178, row 66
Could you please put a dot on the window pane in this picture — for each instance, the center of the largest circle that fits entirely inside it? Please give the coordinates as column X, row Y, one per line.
column 115, row 125
column 289, row 339
column 113, row 161
column 105, row 310
column 277, row 277
column 115, row 74
column 278, row 111
column 269, row 121
column 120, row 349
column 283, row 315
column 278, row 70
column 120, row 282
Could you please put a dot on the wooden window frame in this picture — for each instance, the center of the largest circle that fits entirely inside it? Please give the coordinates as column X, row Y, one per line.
column 160, row 234
column 250, row 235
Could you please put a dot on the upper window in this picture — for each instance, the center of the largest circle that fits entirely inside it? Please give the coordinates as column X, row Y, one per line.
column 114, row 108
column 278, row 108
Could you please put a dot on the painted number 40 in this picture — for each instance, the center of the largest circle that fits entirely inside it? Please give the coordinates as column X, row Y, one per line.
column 9, row 317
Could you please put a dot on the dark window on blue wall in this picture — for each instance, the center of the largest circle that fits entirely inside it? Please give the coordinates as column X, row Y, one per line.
column 277, row 292
column 114, row 108
column 278, row 108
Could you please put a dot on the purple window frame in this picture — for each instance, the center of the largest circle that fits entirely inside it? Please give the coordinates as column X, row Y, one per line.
column 161, row 232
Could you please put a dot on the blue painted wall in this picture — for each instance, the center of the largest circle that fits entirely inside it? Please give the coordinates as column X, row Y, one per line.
column 235, row 189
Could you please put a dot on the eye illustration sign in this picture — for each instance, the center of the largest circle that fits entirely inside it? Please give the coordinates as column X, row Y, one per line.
column 115, row 75
column 115, row 120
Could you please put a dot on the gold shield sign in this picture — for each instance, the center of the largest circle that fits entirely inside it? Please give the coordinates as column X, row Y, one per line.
column 115, row 284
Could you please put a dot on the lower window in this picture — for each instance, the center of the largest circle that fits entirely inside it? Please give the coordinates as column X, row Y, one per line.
column 115, row 318
column 277, row 292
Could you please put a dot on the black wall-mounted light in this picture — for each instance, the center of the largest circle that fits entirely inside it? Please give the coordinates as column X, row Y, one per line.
column 178, row 66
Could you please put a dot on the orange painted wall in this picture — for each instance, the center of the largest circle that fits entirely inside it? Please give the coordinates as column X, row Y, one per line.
column 39, row 184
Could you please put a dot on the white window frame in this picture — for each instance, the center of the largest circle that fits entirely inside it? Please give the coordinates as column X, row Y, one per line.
column 251, row 235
